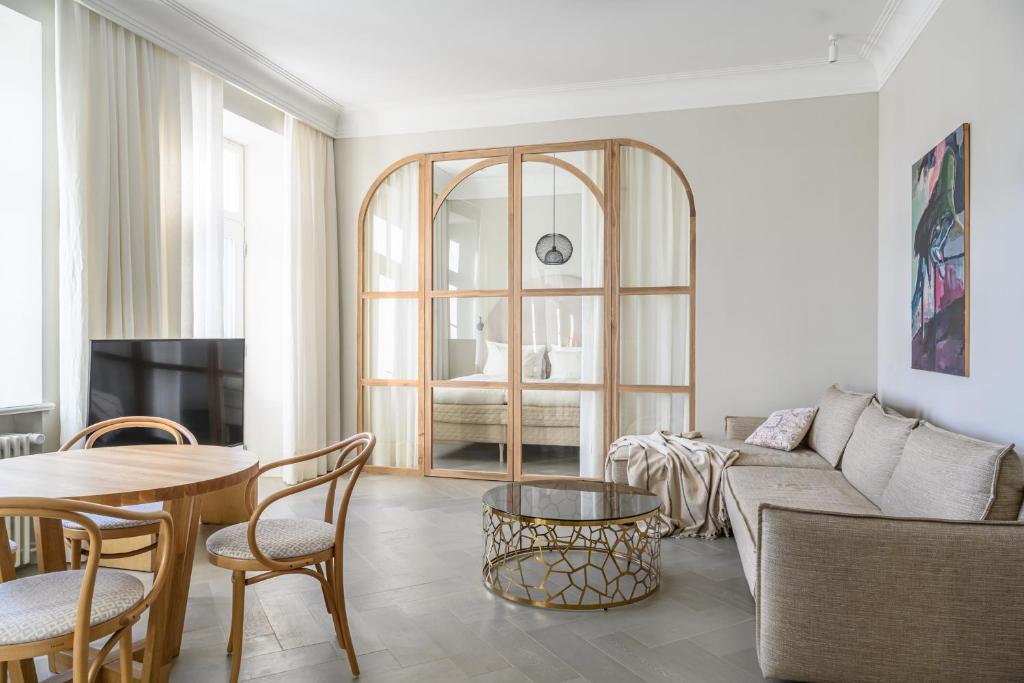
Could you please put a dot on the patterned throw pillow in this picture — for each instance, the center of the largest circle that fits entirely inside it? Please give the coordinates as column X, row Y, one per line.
column 784, row 429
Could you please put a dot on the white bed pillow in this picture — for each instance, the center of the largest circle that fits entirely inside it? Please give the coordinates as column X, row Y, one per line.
column 784, row 429
column 566, row 363
column 497, row 360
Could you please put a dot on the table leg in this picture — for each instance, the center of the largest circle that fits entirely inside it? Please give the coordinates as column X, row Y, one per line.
column 167, row 615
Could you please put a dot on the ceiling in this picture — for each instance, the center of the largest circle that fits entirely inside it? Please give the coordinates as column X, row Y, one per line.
column 388, row 66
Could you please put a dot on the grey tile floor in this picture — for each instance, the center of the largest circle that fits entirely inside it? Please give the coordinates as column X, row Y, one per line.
column 419, row 612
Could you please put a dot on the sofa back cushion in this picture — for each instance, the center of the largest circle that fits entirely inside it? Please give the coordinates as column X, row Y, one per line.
column 874, row 449
column 952, row 476
column 838, row 412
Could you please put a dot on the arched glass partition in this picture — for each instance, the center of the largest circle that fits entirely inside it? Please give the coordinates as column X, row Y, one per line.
column 522, row 307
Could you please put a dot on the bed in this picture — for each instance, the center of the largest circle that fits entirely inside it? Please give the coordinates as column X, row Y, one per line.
column 550, row 418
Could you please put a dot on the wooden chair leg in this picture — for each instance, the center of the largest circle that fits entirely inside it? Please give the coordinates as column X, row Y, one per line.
column 341, row 614
column 3, row 672
column 328, row 603
column 237, row 625
column 76, row 554
column 126, row 656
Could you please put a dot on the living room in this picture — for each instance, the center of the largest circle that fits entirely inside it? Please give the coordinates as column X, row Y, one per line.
column 429, row 325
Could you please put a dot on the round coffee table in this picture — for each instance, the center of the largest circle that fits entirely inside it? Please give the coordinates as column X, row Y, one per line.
column 575, row 545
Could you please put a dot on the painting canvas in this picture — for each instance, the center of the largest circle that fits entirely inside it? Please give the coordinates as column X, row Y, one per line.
column 941, row 260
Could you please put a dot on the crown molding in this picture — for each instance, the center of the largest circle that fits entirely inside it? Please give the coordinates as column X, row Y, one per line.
column 174, row 27
column 898, row 26
column 663, row 92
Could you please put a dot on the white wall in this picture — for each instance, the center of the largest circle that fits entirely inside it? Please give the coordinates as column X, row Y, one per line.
column 785, row 194
column 265, row 216
column 965, row 66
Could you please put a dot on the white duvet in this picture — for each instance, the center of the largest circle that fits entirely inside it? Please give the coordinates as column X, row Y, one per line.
column 531, row 397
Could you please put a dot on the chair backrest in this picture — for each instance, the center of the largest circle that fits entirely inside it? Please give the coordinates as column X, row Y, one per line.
column 77, row 511
column 358, row 446
column 95, row 431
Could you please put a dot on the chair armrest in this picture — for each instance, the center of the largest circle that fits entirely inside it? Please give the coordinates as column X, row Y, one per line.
column 741, row 427
column 855, row 597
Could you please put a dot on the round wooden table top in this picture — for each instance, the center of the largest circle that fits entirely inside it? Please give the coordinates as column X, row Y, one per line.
column 127, row 475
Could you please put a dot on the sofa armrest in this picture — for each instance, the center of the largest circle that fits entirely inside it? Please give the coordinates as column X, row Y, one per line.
column 853, row 597
column 741, row 427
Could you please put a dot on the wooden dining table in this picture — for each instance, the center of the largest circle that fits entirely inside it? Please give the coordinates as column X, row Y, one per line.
column 177, row 476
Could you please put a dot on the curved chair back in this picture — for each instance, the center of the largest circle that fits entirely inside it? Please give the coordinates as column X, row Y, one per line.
column 76, row 511
column 95, row 431
column 358, row 446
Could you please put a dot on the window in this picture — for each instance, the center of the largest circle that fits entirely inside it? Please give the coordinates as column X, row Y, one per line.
column 234, row 237
column 21, row 220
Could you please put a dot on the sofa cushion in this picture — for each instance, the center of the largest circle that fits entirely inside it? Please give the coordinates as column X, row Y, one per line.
column 792, row 487
column 838, row 412
column 784, row 429
column 951, row 476
column 773, row 457
column 874, row 449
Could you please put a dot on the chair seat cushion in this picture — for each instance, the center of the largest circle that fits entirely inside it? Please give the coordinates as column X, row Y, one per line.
column 44, row 606
column 104, row 522
column 278, row 539
column 14, row 546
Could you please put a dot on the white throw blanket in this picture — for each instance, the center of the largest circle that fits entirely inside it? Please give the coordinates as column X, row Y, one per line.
column 686, row 476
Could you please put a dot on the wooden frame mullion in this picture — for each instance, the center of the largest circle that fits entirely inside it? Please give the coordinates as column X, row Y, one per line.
column 515, row 402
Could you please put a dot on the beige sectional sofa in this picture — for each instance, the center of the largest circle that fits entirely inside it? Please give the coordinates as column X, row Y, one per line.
column 883, row 549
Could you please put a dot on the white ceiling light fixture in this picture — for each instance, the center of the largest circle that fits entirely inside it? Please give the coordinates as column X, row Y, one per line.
column 833, row 48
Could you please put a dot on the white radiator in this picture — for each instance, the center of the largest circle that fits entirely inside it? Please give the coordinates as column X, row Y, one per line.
column 19, row 528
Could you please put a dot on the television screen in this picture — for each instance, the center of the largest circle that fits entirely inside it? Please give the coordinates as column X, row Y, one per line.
column 195, row 382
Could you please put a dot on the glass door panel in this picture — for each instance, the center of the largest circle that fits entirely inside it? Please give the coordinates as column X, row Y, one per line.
column 471, row 228
column 654, row 218
column 469, row 429
column 643, row 413
column 654, row 346
column 391, row 233
column 391, row 413
column 562, row 226
column 390, row 331
column 563, row 433
column 470, row 339
column 566, row 335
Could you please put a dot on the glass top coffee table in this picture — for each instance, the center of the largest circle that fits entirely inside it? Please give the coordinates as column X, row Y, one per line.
column 575, row 545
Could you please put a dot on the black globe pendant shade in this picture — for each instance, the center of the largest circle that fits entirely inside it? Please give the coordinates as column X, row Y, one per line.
column 554, row 249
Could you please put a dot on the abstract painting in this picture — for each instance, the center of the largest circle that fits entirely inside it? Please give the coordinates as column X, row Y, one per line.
column 941, row 260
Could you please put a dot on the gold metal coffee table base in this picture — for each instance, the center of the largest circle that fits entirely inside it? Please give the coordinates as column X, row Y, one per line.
column 571, row 565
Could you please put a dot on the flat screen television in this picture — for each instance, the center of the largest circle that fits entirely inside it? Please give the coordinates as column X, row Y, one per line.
column 195, row 382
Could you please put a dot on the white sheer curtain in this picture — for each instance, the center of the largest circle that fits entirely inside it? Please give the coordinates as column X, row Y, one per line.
column 591, row 255
column 126, row 175
column 654, row 215
column 312, row 401
column 207, row 171
column 392, row 328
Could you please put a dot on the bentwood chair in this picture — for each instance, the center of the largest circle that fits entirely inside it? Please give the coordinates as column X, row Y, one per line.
column 112, row 528
column 52, row 612
column 275, row 547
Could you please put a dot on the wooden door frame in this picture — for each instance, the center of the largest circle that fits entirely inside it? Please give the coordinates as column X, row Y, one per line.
column 608, row 198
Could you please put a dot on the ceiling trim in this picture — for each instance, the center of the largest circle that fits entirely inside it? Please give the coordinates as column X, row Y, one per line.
column 174, row 27
column 896, row 30
column 662, row 92
column 185, row 32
